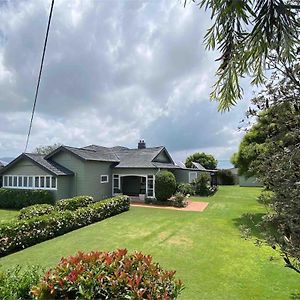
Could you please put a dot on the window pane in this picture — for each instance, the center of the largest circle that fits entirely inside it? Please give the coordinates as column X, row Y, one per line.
column 53, row 183
column 42, row 182
column 25, row 180
column 15, row 181
column 10, row 181
column 30, row 181
column 37, row 181
column 5, row 181
column 20, row 181
column 104, row 178
column 47, row 182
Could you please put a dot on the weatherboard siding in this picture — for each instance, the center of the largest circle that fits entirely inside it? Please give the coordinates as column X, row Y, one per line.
column 25, row 167
column 162, row 157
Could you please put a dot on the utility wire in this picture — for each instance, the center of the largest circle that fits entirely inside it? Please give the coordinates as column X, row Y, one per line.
column 40, row 75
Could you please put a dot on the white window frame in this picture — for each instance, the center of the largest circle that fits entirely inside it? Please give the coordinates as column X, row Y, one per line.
column 106, row 180
column 33, row 187
column 192, row 173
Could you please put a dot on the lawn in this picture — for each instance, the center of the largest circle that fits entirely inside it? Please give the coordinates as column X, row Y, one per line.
column 205, row 248
column 6, row 215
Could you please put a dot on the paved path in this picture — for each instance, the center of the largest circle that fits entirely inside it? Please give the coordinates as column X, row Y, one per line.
column 192, row 206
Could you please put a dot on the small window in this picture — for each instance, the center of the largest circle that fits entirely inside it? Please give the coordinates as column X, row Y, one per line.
column 53, row 184
column 20, row 184
column 10, row 181
column 30, row 181
column 25, row 181
column 15, row 181
column 192, row 176
column 48, row 182
column 42, row 182
column 5, row 181
column 37, row 181
column 104, row 178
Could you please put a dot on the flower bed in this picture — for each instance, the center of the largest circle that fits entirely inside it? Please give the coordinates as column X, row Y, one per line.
column 21, row 234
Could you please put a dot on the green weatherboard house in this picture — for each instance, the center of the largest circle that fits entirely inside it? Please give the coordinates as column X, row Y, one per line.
column 96, row 171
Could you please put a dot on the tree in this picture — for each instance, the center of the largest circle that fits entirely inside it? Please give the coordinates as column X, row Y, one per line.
column 204, row 159
column 251, row 37
column 277, row 130
column 165, row 185
column 44, row 150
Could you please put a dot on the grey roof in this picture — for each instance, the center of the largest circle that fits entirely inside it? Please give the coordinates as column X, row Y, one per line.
column 198, row 166
column 49, row 165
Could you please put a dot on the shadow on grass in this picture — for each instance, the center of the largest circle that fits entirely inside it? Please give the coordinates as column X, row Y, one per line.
column 295, row 296
column 248, row 225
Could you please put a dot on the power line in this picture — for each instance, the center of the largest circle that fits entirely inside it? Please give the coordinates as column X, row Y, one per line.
column 40, row 75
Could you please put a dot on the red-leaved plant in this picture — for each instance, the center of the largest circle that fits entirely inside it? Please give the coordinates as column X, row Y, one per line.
column 108, row 275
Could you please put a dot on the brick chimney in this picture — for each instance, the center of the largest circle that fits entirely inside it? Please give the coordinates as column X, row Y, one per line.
column 141, row 144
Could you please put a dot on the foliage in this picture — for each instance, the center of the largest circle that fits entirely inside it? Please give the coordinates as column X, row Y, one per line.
column 250, row 36
column 225, row 177
column 180, row 200
column 16, row 235
column 16, row 199
column 108, row 275
column 165, row 185
column 185, row 189
column 277, row 166
column 74, row 203
column 35, row 211
column 206, row 160
column 44, row 150
column 16, row 283
column 201, row 185
column 266, row 198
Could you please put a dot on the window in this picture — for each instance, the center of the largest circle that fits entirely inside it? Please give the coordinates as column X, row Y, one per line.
column 192, row 176
column 116, row 188
column 29, row 182
column 104, row 178
column 150, row 191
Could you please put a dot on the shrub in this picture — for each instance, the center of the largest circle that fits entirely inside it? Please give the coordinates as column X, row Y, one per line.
column 35, row 211
column 21, row 234
column 179, row 200
column 185, row 189
column 16, row 199
column 266, row 197
column 201, row 185
column 225, row 177
column 108, row 275
column 165, row 185
column 74, row 203
column 15, row 284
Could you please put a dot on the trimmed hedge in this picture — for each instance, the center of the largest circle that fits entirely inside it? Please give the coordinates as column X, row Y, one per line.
column 25, row 233
column 108, row 275
column 35, row 211
column 17, row 199
column 74, row 203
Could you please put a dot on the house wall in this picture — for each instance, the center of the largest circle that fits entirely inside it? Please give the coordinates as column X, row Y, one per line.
column 182, row 176
column 162, row 157
column 86, row 175
column 25, row 167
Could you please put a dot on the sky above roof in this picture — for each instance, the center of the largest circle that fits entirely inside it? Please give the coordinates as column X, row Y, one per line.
column 114, row 72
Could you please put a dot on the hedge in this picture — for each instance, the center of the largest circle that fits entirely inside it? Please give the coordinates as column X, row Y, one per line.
column 17, row 235
column 17, row 199
column 108, row 275
column 35, row 211
column 74, row 203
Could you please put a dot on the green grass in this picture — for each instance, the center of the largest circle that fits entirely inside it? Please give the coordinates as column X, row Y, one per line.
column 7, row 215
column 205, row 248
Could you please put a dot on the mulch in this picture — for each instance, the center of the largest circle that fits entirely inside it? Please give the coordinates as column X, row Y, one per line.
column 192, row 206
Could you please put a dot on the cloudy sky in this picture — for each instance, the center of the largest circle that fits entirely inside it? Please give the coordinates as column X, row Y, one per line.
column 115, row 71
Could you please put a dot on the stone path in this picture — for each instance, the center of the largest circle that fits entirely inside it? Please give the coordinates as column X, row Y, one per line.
column 192, row 206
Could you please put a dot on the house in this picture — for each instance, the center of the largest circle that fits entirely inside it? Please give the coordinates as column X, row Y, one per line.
column 95, row 170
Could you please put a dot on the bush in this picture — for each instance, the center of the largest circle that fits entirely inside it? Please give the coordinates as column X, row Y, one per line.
column 21, row 234
column 179, row 200
column 74, row 203
column 35, row 211
column 16, row 199
column 108, row 275
column 165, row 185
column 15, row 284
column 225, row 177
column 201, row 185
column 266, row 197
column 185, row 189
